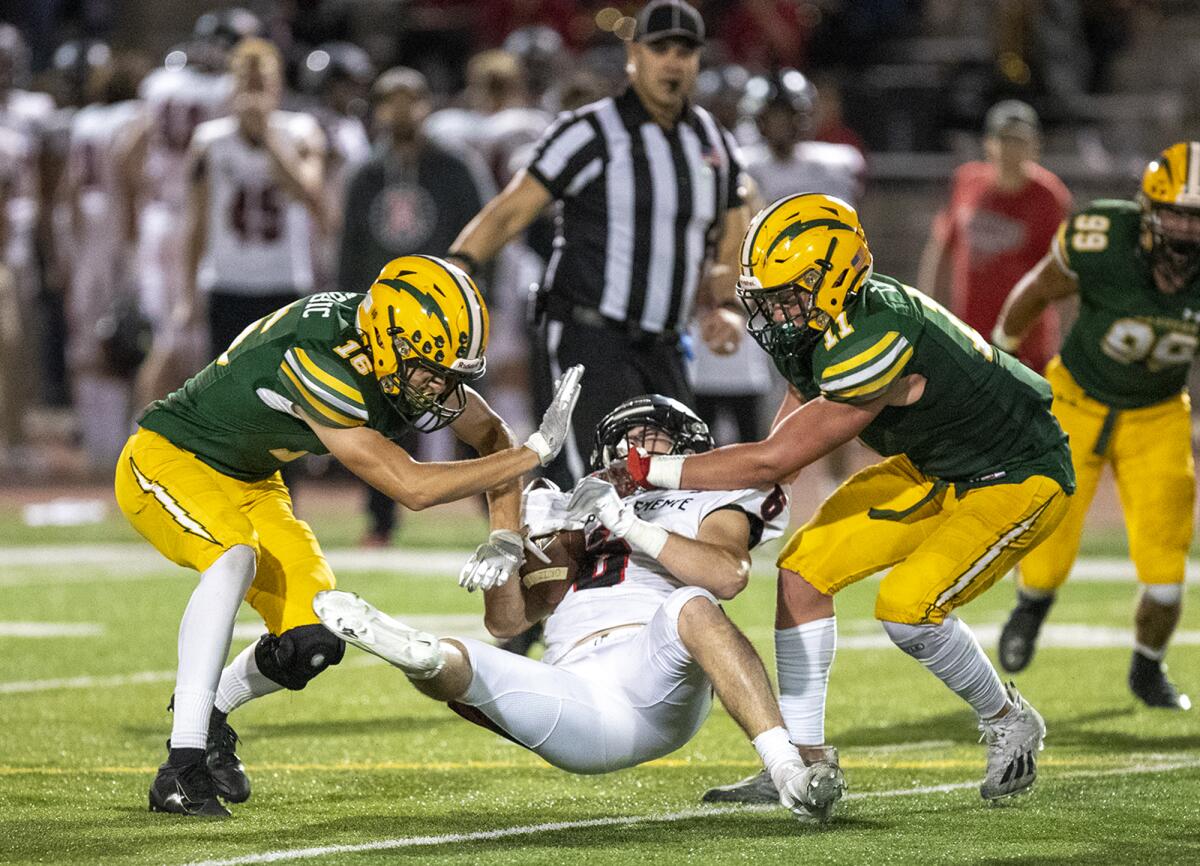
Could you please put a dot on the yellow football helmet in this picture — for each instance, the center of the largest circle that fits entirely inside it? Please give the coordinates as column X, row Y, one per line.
column 426, row 326
column 804, row 260
column 1170, row 199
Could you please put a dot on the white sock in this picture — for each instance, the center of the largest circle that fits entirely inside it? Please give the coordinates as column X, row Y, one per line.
column 952, row 654
column 204, row 635
column 776, row 750
column 803, row 657
column 1149, row 652
column 241, row 682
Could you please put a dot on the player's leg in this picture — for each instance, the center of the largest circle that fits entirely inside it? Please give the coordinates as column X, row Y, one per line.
column 1153, row 464
column 190, row 514
column 1045, row 569
column 838, row 546
column 292, row 570
column 692, row 621
column 985, row 533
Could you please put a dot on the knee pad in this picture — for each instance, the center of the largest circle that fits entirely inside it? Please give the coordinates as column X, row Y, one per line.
column 299, row 654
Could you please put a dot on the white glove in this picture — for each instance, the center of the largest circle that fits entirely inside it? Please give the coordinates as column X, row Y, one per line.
column 494, row 561
column 597, row 498
column 556, row 423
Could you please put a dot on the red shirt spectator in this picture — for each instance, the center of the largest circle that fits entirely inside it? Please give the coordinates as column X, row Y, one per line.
column 998, row 225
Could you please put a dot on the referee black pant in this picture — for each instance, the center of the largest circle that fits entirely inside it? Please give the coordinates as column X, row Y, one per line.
column 618, row 366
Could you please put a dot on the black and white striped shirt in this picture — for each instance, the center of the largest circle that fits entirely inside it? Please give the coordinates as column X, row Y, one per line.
column 640, row 209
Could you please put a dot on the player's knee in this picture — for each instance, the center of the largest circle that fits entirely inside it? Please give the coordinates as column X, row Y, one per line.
column 299, row 654
column 680, row 608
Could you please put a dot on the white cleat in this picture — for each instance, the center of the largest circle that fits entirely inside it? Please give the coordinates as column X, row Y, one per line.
column 811, row 790
column 1013, row 743
column 417, row 653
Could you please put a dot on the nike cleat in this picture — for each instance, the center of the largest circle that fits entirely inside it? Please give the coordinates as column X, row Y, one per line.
column 1148, row 681
column 224, row 766
column 1018, row 638
column 756, row 789
column 417, row 653
column 186, row 790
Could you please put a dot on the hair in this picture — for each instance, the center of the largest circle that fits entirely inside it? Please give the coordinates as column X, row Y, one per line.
column 253, row 51
column 499, row 73
column 397, row 79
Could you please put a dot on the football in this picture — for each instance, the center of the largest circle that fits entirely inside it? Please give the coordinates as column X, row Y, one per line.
column 545, row 583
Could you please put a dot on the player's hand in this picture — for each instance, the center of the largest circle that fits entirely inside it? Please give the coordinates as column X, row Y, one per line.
column 791, row 781
column 618, row 475
column 595, row 497
column 722, row 330
column 548, row 440
column 494, row 561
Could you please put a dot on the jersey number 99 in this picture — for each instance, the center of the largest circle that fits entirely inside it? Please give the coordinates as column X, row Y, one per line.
column 1132, row 341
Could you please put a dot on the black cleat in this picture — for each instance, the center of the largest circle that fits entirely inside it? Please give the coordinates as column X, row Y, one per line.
column 1148, row 681
column 224, row 766
column 757, row 789
column 186, row 790
column 1018, row 638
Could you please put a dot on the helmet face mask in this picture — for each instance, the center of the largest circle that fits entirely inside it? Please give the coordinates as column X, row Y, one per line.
column 804, row 260
column 642, row 419
column 426, row 326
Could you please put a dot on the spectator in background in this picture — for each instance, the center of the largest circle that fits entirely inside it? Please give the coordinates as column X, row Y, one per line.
column 411, row 196
column 1002, row 215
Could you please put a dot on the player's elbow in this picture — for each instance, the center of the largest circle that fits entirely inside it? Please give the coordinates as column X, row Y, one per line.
column 731, row 577
column 503, row 627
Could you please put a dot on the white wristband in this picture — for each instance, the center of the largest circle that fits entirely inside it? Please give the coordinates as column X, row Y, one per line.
column 1004, row 341
column 646, row 538
column 666, row 470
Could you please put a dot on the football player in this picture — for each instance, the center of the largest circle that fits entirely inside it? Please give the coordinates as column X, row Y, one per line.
column 1120, row 393
column 336, row 373
column 977, row 471
column 639, row 642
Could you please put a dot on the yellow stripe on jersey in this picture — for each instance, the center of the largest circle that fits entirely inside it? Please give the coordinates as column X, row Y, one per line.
column 348, row 391
column 881, row 346
column 316, row 406
column 876, row 386
column 1058, row 249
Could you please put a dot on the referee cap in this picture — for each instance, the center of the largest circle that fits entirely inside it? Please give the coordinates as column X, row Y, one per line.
column 663, row 19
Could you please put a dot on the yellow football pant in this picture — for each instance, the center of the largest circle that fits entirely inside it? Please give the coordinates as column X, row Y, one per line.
column 192, row 514
column 945, row 553
column 1150, row 450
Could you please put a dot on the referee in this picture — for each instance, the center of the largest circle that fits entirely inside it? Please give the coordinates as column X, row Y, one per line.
column 649, row 217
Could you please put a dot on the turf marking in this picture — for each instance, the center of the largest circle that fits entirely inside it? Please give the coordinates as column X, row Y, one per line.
column 629, row 820
column 51, row 629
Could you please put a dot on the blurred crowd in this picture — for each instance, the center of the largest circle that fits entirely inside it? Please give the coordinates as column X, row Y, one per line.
column 396, row 122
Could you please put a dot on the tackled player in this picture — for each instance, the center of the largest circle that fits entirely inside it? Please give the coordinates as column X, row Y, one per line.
column 336, row 373
column 635, row 650
column 977, row 473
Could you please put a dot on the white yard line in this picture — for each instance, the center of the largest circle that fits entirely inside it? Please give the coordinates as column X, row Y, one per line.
column 625, row 821
column 136, row 562
column 51, row 629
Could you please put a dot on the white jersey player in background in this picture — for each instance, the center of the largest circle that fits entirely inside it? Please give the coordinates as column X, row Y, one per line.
column 638, row 644
column 256, row 202
column 92, row 194
column 176, row 98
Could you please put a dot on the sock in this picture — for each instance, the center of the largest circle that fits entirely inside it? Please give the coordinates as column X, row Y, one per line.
column 1154, row 655
column 204, row 635
column 803, row 657
column 242, row 682
column 776, row 750
column 952, row 654
column 1025, row 595
column 183, row 757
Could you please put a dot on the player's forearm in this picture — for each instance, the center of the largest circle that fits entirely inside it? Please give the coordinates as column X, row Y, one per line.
column 708, row 566
column 505, row 613
column 301, row 181
column 1021, row 309
column 420, row 485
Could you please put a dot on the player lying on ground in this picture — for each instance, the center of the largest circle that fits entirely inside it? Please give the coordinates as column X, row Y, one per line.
column 977, row 473
column 1120, row 392
column 638, row 643
column 335, row 373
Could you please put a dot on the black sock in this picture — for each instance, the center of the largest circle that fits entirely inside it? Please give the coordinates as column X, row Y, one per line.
column 183, row 757
column 217, row 719
column 1036, row 604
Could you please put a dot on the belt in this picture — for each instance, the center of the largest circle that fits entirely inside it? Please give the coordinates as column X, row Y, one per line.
column 593, row 318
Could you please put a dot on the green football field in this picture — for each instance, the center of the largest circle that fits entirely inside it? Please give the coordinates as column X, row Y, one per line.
column 359, row 769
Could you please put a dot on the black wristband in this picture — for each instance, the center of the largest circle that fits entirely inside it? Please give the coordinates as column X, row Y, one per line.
column 466, row 262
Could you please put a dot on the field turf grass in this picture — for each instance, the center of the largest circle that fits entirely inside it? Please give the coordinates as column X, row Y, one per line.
column 360, row 760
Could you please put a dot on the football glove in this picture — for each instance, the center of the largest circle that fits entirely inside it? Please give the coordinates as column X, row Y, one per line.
column 597, row 498
column 494, row 561
column 548, row 440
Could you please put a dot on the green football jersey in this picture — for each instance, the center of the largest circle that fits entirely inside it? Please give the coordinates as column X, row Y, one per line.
column 1131, row 345
column 984, row 418
column 240, row 414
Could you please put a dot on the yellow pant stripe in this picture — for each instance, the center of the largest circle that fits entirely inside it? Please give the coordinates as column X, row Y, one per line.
column 980, row 565
column 171, row 505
